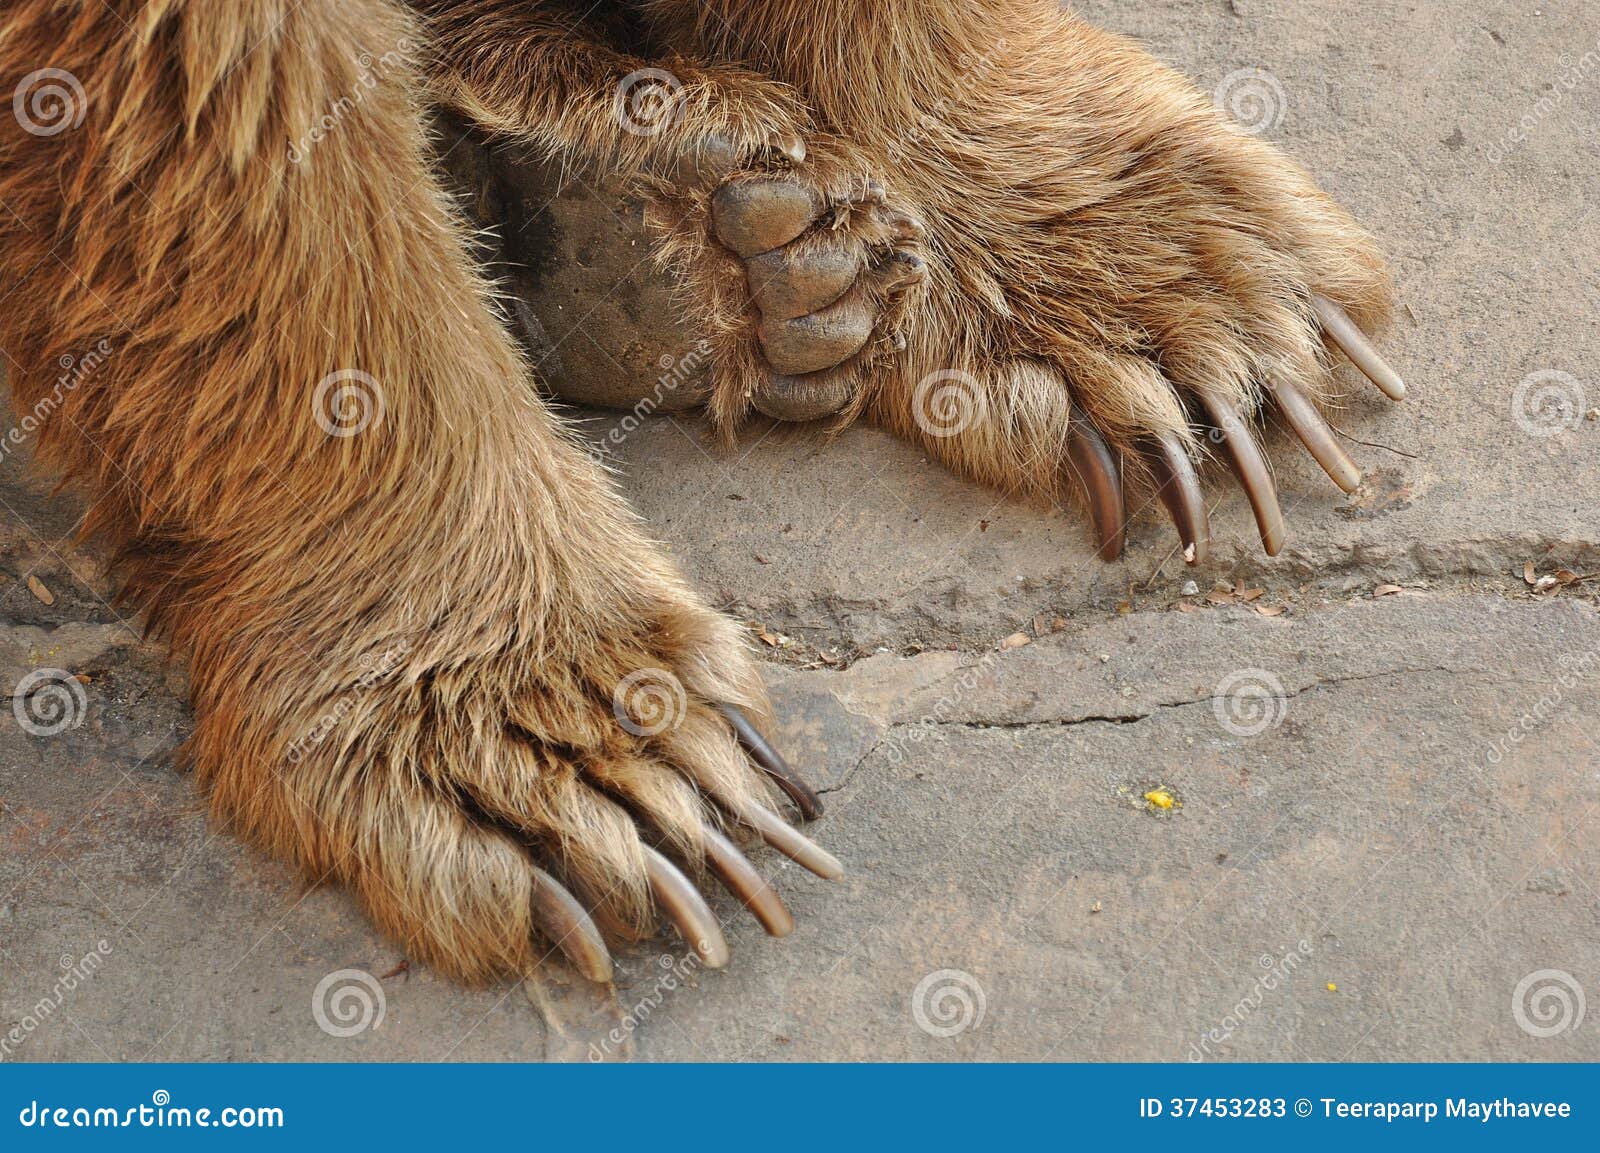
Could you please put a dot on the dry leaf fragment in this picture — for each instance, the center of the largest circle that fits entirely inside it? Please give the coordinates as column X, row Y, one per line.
column 38, row 588
column 1184, row 607
column 1248, row 595
column 1271, row 610
column 1527, row 572
column 771, row 639
column 1386, row 590
column 1016, row 641
column 1219, row 597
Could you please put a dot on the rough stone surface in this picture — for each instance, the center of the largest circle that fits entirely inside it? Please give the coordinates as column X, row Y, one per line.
column 1410, row 836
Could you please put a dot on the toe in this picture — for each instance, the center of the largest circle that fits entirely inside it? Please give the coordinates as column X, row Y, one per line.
column 798, row 278
column 817, row 340
column 756, row 216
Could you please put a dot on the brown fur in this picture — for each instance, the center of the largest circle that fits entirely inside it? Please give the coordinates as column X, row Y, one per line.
column 1094, row 225
column 1098, row 230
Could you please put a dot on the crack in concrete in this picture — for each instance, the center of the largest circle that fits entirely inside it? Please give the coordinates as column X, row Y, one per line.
column 1123, row 718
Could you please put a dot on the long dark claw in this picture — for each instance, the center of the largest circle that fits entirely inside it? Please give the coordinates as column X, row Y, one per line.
column 1315, row 434
column 804, row 797
column 1354, row 343
column 744, row 882
column 1251, row 468
column 569, row 926
column 799, row 849
column 1097, row 469
column 687, row 909
column 1178, row 486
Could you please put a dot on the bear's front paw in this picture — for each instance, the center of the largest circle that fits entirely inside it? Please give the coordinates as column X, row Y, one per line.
column 493, row 811
column 1128, row 294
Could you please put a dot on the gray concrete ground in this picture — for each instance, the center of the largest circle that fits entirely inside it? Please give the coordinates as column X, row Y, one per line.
column 1389, row 849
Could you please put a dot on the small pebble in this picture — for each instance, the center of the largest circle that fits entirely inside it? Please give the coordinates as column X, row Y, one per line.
column 1190, row 589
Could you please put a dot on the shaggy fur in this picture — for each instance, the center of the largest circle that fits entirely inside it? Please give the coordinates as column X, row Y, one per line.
column 1100, row 234
column 455, row 585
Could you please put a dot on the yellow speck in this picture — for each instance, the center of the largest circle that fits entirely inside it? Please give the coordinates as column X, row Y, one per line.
column 1160, row 798
column 1332, row 988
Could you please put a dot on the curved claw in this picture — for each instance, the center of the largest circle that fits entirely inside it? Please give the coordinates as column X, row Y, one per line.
column 1254, row 476
column 1353, row 343
column 798, row 848
column 687, row 909
column 804, row 797
column 1315, row 434
column 1178, row 486
column 1097, row 469
column 570, row 928
column 746, row 883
